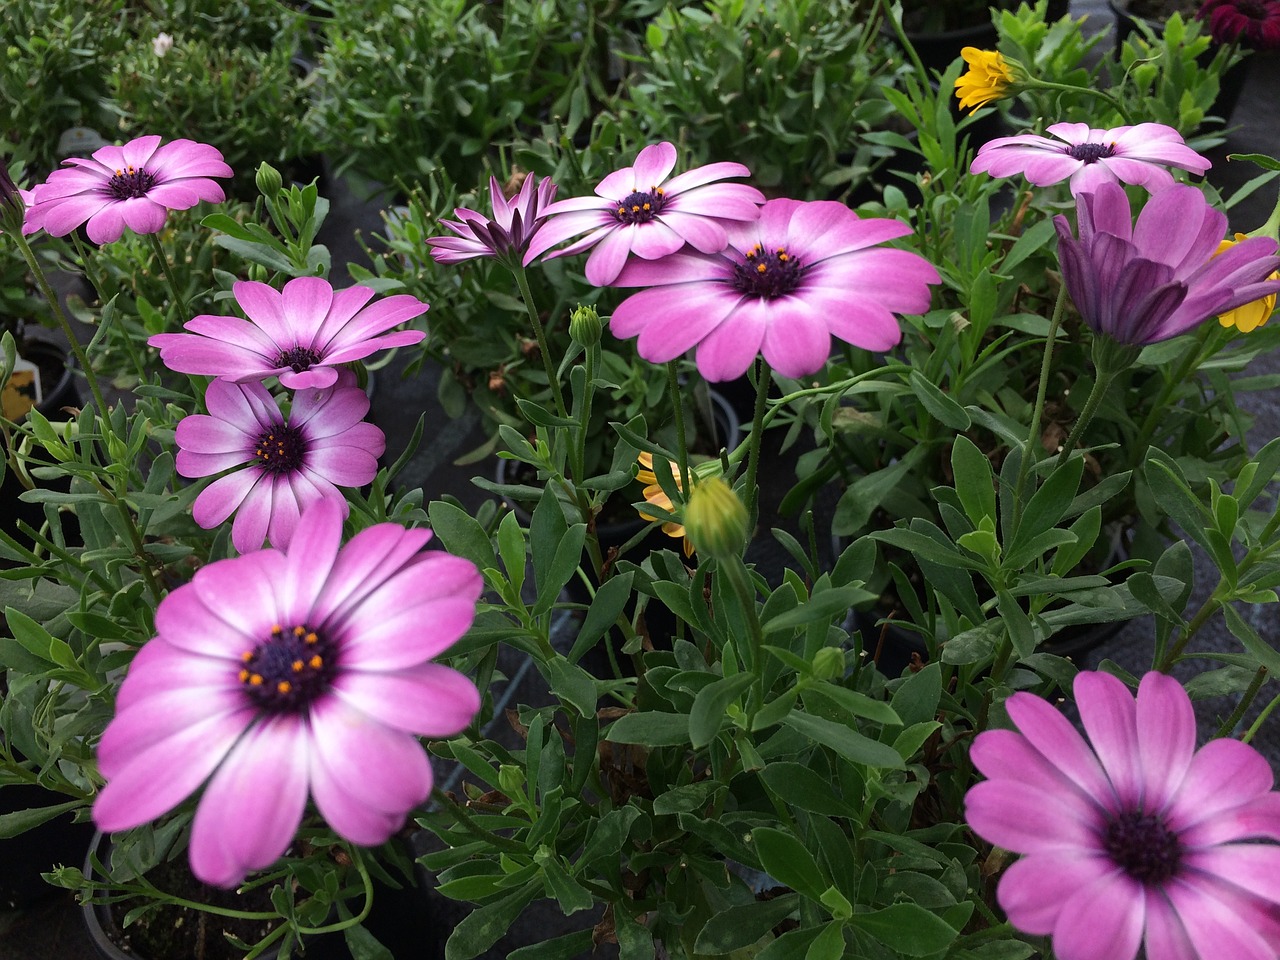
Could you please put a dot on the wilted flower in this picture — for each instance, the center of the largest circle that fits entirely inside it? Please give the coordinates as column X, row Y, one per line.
column 638, row 210
column 505, row 235
column 1145, row 282
column 1251, row 23
column 277, row 675
column 1137, row 154
column 1135, row 838
column 784, row 286
column 1252, row 315
column 287, row 465
column 988, row 78
column 132, row 186
column 298, row 334
column 161, row 44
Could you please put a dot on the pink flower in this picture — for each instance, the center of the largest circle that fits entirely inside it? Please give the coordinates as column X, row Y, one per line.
column 786, row 284
column 1091, row 157
column 638, row 210
column 1145, row 282
column 286, row 466
column 278, row 675
column 1251, row 23
column 298, row 334
column 506, row 234
column 131, row 186
column 1136, row 838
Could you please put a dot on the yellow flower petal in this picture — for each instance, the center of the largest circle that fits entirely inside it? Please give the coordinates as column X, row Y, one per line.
column 987, row 79
column 1250, row 316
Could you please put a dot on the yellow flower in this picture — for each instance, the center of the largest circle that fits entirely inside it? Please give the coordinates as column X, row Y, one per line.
column 987, row 79
column 1248, row 318
column 654, row 494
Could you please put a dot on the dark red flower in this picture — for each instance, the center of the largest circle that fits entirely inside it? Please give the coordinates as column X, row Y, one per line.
column 1251, row 23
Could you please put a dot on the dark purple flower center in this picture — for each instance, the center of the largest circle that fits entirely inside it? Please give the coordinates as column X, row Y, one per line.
column 1253, row 9
column 766, row 273
column 130, row 183
column 297, row 358
column 641, row 207
column 1143, row 846
column 291, row 669
column 1092, row 152
column 280, row 450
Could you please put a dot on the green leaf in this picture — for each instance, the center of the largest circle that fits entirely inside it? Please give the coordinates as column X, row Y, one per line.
column 916, row 701
column 1047, row 505
column 822, row 606
column 848, row 743
column 651, row 728
column 971, row 646
column 567, row 557
column 572, row 685
column 788, row 861
column 610, row 834
column 907, row 928
column 798, row 786
column 511, row 546
column 742, row 925
column 570, row 895
column 1265, row 654
column 20, row 821
column 484, row 926
column 940, row 406
column 461, row 534
column 565, row 947
column 1259, row 159
column 829, row 944
column 258, row 253
column 710, row 705
column 364, row 945
column 605, row 608
column 975, row 484
column 854, row 703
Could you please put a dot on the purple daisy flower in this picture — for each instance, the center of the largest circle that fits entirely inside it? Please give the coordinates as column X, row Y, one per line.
column 1145, row 282
column 287, row 465
column 505, row 235
column 1251, row 23
column 277, row 675
column 1136, row 839
column 132, row 186
column 786, row 284
column 638, row 210
column 297, row 334
column 1089, row 157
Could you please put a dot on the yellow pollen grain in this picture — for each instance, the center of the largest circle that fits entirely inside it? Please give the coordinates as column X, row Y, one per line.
column 783, row 257
column 247, row 656
column 244, row 675
column 761, row 269
column 256, row 679
column 298, row 631
column 277, row 630
column 315, row 662
column 622, row 209
column 659, row 191
column 635, row 208
column 284, row 686
column 297, row 666
column 311, row 638
column 646, row 206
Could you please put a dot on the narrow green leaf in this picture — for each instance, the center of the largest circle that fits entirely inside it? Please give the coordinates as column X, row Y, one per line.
column 710, row 705
column 788, row 861
column 848, row 743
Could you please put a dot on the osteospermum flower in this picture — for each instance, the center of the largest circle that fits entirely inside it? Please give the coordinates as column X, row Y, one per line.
column 1252, row 315
column 1088, row 157
column 131, row 186
column 783, row 287
column 277, row 675
column 281, row 467
column 505, row 235
column 1145, row 282
column 1135, row 837
column 988, row 78
column 1251, row 23
column 654, row 494
column 298, row 334
column 638, row 210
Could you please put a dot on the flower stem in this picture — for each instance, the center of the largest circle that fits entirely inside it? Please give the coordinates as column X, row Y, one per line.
column 1037, row 412
column 67, row 331
column 527, row 295
column 1255, row 685
column 358, row 859
column 682, row 449
column 480, row 833
column 179, row 300
column 1257, row 724
column 1035, row 84
column 764, row 378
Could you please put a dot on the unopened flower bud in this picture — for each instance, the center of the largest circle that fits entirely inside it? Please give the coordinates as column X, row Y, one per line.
column 268, row 180
column 510, row 779
column 715, row 519
column 585, row 326
column 828, row 663
column 12, row 207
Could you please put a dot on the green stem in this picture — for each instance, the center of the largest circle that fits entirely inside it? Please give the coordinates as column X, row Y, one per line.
column 764, row 378
column 464, row 820
column 178, row 299
column 527, row 295
column 1191, row 360
column 682, row 449
column 67, row 331
column 1257, row 724
column 1033, row 433
column 1068, row 88
column 358, row 859
column 1100, row 387
column 1246, row 701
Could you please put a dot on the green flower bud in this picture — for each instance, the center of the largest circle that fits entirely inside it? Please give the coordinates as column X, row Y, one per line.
column 828, row 663
column 268, row 180
column 12, row 208
column 585, row 326
column 715, row 519
column 257, row 272
column 510, row 779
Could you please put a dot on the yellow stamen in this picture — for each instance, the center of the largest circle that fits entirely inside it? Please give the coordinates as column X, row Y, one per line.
column 299, row 631
column 761, row 269
column 284, row 686
column 311, row 638
column 297, row 666
column 256, row 679
column 315, row 662
column 277, row 630
column 244, row 675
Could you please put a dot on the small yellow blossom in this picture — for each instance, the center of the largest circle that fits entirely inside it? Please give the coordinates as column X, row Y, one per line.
column 987, row 79
column 654, row 494
column 1249, row 317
